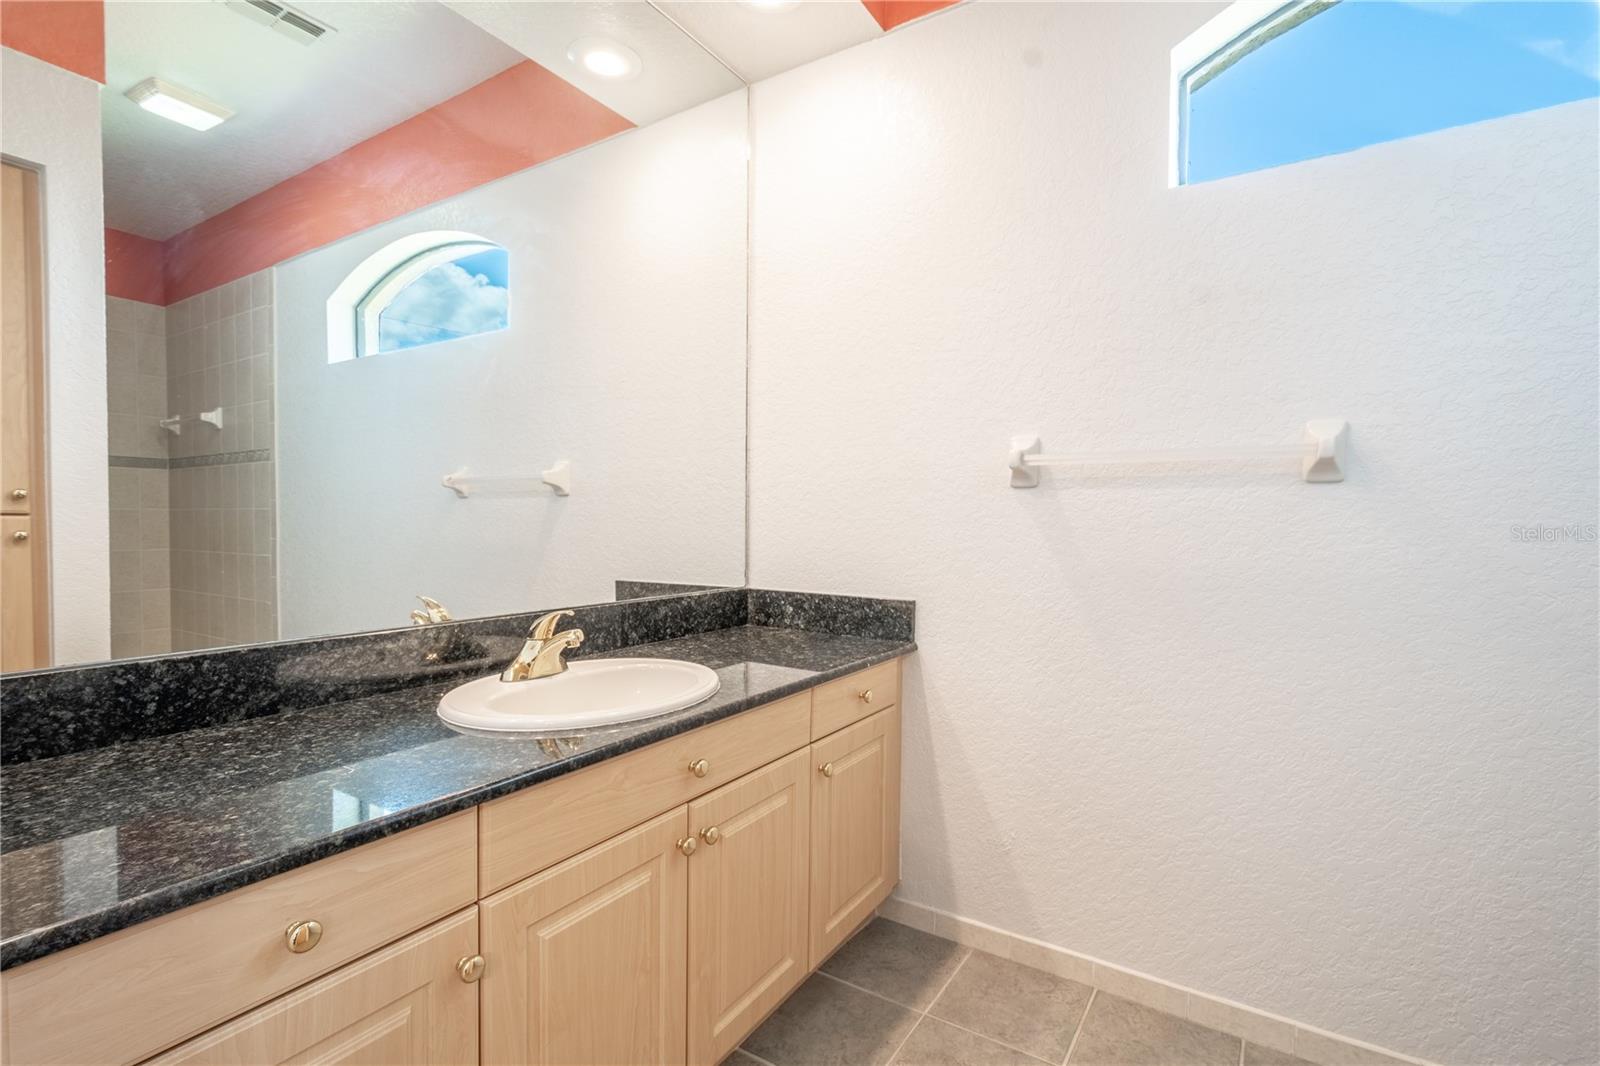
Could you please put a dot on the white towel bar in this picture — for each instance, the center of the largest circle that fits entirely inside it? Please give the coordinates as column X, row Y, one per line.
column 1322, row 455
column 558, row 479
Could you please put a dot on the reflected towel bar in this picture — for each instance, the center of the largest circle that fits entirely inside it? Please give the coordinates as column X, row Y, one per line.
column 558, row 479
column 174, row 423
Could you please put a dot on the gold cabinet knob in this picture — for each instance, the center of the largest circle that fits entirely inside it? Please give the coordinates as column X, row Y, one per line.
column 470, row 968
column 19, row 494
column 711, row 834
column 687, row 845
column 303, row 936
column 865, row 695
column 20, row 535
column 826, row 769
column 699, row 768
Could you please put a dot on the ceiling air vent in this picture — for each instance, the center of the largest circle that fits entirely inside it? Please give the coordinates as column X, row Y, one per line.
column 296, row 25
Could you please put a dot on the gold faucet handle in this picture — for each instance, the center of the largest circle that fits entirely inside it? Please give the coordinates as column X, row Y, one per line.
column 544, row 627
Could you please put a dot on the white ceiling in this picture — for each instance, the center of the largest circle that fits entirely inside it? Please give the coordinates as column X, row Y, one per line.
column 295, row 105
column 760, row 42
column 676, row 74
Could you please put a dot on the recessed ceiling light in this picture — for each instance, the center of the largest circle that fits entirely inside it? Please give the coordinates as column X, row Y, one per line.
column 772, row 5
column 605, row 58
column 183, row 106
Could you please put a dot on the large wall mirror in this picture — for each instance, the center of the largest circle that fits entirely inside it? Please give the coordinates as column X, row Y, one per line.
column 400, row 300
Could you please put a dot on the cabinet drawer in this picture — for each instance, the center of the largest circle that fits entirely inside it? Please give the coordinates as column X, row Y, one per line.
column 524, row 833
column 850, row 699
column 405, row 1006
column 125, row 996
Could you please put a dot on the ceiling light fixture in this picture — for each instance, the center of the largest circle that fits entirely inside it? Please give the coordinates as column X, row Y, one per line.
column 605, row 58
column 183, row 106
column 772, row 5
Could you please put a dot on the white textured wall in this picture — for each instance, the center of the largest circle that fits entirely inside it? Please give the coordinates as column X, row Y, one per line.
column 1328, row 750
column 625, row 356
column 50, row 119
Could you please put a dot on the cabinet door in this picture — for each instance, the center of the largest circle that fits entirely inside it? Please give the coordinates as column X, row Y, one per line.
column 20, row 338
column 586, row 960
column 747, row 903
column 855, row 827
column 405, row 1006
column 17, row 593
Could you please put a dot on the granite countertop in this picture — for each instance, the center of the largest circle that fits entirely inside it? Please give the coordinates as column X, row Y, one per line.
column 95, row 841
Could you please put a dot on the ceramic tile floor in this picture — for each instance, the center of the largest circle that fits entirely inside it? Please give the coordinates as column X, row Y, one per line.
column 895, row 995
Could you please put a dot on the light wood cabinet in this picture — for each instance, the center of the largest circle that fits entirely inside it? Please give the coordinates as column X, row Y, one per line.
column 405, row 1006
column 586, row 961
column 748, row 883
column 122, row 997
column 24, row 592
column 19, row 550
column 663, row 944
column 855, row 827
column 531, row 830
column 853, row 697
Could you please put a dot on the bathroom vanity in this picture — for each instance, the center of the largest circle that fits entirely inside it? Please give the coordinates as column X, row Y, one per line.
column 641, row 894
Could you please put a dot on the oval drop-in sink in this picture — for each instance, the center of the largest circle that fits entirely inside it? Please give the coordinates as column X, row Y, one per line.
column 591, row 693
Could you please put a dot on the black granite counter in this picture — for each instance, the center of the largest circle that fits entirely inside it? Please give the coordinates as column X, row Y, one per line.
column 96, row 840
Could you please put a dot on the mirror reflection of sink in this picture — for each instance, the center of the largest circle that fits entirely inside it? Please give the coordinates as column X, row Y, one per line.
column 590, row 693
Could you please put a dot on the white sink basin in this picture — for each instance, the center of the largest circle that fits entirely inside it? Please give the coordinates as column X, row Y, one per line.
column 590, row 693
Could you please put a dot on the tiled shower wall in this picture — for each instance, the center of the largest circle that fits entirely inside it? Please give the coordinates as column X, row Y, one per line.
column 224, row 520
column 193, row 515
column 136, row 385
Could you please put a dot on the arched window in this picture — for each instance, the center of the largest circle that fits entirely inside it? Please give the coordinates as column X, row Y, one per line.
column 1263, row 84
column 422, row 289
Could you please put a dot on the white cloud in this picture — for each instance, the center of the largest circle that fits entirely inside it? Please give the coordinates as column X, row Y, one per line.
column 443, row 303
column 1584, row 60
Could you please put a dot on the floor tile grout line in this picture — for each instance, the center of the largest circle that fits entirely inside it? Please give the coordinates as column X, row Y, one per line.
column 928, row 1013
column 950, row 980
column 986, row 1038
column 890, row 999
column 742, row 1050
column 1093, row 992
column 890, row 1061
column 870, row 992
column 922, row 1015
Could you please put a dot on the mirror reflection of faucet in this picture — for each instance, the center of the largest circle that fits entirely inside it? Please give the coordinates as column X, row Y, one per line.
column 431, row 613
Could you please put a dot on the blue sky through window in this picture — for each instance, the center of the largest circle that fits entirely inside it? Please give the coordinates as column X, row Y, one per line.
column 1365, row 71
column 455, row 299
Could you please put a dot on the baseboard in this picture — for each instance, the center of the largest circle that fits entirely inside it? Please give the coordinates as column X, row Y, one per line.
column 1256, row 1026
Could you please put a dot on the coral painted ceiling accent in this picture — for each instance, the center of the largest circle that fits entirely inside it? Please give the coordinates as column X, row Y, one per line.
column 759, row 42
column 68, row 33
column 521, row 117
column 892, row 13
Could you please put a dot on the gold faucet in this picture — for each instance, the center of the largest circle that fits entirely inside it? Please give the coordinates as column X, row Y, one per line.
column 541, row 653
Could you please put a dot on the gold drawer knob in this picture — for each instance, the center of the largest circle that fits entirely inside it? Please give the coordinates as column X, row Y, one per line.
column 470, row 968
column 687, row 845
column 20, row 535
column 711, row 834
column 699, row 768
column 865, row 695
column 19, row 494
column 826, row 769
column 303, row 936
